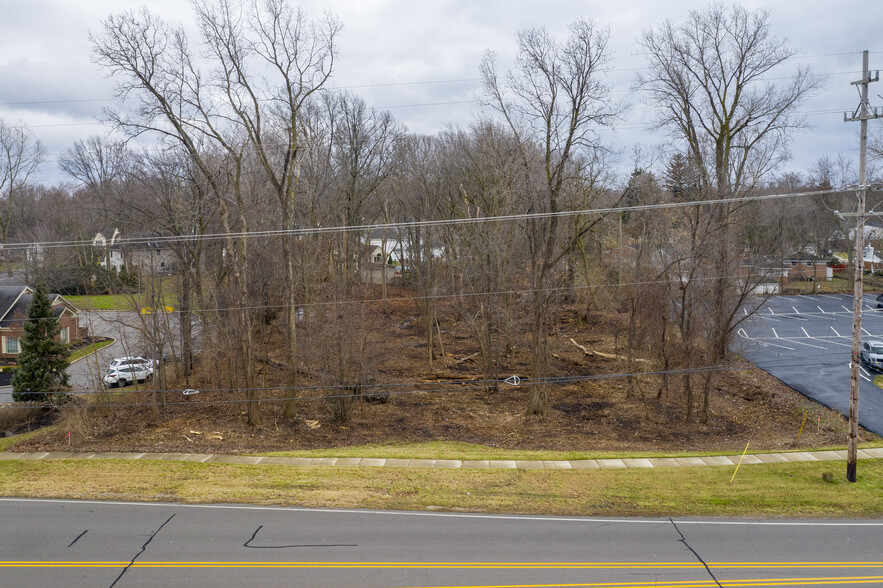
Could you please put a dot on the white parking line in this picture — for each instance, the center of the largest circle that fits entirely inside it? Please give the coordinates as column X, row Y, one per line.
column 793, row 340
column 835, row 332
column 863, row 370
column 830, row 342
column 846, row 309
column 820, row 308
column 795, row 310
column 866, row 333
column 774, row 332
column 745, row 335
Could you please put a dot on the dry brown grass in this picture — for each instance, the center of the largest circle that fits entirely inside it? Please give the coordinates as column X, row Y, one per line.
column 795, row 490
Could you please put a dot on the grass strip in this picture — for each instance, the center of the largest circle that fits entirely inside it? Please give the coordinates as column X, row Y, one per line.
column 471, row 451
column 88, row 349
column 120, row 302
column 787, row 490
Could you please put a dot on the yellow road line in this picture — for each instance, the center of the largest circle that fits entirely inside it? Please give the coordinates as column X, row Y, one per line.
column 698, row 584
column 866, row 580
column 450, row 565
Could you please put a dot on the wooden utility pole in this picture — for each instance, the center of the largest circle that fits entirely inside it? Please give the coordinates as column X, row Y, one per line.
column 862, row 113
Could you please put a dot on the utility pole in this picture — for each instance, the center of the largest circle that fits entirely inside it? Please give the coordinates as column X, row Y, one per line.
column 862, row 113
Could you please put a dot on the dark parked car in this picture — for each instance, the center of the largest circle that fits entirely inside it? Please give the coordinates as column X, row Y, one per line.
column 880, row 300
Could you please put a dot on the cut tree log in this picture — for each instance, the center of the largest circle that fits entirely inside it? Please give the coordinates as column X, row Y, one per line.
column 603, row 355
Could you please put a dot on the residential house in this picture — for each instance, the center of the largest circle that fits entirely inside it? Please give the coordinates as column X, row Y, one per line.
column 392, row 240
column 801, row 265
column 152, row 257
column 373, row 266
column 146, row 257
column 15, row 297
column 110, row 251
column 399, row 246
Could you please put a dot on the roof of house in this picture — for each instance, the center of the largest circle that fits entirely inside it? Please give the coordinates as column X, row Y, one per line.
column 391, row 233
column 803, row 256
column 16, row 296
column 11, row 291
column 149, row 245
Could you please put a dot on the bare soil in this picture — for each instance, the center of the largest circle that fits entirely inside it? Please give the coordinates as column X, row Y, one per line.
column 447, row 402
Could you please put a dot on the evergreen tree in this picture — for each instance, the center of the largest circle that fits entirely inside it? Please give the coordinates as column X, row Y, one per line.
column 43, row 359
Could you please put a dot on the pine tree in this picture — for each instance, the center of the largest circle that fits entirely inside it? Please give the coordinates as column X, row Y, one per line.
column 43, row 359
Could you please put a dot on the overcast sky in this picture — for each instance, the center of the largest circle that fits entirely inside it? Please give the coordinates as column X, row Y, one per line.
column 420, row 60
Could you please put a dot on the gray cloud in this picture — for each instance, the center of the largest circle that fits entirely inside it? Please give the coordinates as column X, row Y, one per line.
column 45, row 61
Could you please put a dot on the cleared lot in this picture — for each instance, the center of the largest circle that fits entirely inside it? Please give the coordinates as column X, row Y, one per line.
column 805, row 341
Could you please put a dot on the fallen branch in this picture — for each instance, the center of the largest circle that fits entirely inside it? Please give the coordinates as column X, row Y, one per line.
column 567, row 359
column 603, row 355
column 467, row 358
column 440, row 377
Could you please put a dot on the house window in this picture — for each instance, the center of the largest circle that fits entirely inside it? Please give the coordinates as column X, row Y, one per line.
column 64, row 335
column 808, row 264
column 12, row 345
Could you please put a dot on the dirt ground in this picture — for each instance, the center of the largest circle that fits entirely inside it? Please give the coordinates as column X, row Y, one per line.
column 447, row 402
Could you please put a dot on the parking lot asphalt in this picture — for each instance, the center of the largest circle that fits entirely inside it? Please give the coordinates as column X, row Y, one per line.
column 805, row 341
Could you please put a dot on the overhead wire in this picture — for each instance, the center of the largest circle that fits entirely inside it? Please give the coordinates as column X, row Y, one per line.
column 410, row 388
column 342, row 229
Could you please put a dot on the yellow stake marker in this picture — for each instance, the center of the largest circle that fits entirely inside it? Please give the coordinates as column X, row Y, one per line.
column 801, row 425
column 740, row 461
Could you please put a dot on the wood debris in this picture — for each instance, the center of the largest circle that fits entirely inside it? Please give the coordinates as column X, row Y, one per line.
column 603, row 355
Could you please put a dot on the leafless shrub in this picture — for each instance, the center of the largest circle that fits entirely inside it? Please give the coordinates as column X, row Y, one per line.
column 20, row 415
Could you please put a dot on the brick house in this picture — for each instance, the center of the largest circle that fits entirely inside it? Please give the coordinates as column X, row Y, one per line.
column 801, row 265
column 15, row 297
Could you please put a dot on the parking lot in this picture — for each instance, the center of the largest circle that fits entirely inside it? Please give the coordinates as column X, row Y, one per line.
column 805, row 341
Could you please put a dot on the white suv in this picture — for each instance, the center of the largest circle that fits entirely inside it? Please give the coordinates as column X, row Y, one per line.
column 121, row 362
column 125, row 375
column 128, row 370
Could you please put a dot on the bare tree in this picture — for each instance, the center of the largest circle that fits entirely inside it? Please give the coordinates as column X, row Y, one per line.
column 96, row 162
column 554, row 102
column 707, row 78
column 153, row 64
column 364, row 143
column 21, row 153
column 269, row 62
column 483, row 164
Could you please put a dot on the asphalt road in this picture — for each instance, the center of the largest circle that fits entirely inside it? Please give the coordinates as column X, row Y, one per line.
column 72, row 544
column 805, row 341
column 86, row 374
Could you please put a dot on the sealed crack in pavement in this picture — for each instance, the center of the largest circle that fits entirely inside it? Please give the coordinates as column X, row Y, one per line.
column 143, row 549
column 78, row 537
column 693, row 551
column 255, row 534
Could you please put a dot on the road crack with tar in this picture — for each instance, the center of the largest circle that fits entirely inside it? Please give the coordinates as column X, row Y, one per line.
column 255, row 534
column 143, row 549
column 693, row 551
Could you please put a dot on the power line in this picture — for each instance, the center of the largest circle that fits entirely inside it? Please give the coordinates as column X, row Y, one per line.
column 405, row 299
column 412, row 388
column 133, row 298
column 342, row 229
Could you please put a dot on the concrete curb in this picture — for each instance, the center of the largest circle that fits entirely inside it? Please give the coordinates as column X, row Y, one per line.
column 580, row 464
